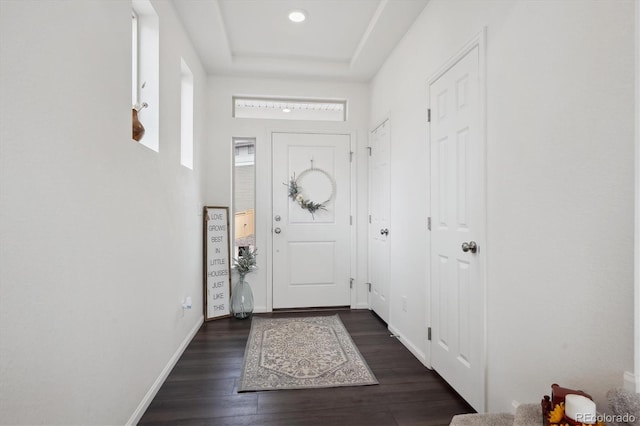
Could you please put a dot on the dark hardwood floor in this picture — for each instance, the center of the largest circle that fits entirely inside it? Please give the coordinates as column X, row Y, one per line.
column 202, row 388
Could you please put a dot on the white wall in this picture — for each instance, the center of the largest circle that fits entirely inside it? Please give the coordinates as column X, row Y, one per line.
column 223, row 128
column 100, row 237
column 560, row 146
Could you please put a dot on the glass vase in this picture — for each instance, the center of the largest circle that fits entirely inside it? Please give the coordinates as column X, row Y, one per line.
column 242, row 299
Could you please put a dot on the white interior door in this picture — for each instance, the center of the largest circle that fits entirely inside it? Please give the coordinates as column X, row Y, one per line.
column 457, row 209
column 379, row 207
column 311, row 252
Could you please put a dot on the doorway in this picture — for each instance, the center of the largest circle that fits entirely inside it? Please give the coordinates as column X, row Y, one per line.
column 311, row 219
column 379, row 212
column 458, row 223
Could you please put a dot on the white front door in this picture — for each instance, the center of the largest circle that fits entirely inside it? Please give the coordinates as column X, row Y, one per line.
column 458, row 230
column 311, row 249
column 379, row 193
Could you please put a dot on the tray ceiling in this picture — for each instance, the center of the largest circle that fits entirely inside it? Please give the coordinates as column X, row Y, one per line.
column 340, row 39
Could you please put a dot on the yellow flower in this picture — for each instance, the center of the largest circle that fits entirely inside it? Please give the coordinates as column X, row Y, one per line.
column 555, row 416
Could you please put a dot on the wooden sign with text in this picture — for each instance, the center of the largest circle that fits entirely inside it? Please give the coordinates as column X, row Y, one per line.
column 217, row 265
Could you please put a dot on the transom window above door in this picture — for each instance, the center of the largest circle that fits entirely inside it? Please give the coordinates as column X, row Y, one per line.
column 289, row 109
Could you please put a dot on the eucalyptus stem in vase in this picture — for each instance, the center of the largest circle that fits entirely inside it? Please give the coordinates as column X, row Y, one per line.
column 242, row 296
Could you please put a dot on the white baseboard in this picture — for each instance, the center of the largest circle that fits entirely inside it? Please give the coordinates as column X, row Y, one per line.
column 144, row 404
column 263, row 309
column 412, row 348
column 631, row 382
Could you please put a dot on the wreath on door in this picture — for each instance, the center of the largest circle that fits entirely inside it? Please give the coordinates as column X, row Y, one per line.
column 296, row 194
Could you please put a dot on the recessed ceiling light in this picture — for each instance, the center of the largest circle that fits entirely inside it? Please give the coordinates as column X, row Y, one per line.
column 297, row 16
column 286, row 110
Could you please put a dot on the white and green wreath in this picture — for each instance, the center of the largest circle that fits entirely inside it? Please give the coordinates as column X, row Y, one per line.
column 295, row 192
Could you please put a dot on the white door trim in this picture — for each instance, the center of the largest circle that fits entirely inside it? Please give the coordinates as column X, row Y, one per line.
column 634, row 378
column 268, row 222
column 353, row 209
column 478, row 41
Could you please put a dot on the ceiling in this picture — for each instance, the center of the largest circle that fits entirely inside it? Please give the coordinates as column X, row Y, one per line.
column 340, row 39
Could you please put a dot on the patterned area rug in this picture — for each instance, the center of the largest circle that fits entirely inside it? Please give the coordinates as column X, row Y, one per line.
column 298, row 353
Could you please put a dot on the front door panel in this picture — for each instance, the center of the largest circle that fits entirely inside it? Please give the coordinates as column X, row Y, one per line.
column 311, row 249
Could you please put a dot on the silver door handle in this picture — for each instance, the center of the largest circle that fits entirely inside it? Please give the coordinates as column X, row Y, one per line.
column 277, row 230
column 470, row 246
column 384, row 231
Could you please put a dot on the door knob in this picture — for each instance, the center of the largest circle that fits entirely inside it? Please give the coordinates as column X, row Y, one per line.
column 384, row 231
column 470, row 246
column 277, row 230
